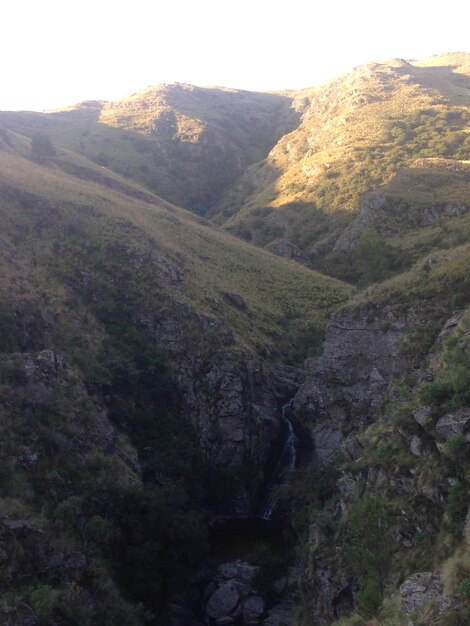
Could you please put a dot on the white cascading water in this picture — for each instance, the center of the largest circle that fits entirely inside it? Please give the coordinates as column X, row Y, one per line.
column 285, row 463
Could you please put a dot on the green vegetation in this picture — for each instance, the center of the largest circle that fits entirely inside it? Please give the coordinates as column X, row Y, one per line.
column 101, row 456
column 451, row 386
column 185, row 143
column 368, row 552
column 117, row 309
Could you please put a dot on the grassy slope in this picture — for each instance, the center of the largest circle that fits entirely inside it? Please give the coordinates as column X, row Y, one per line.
column 185, row 143
column 427, row 212
column 72, row 224
column 356, row 133
column 90, row 265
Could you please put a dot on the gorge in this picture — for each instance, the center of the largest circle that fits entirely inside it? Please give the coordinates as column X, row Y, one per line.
column 244, row 400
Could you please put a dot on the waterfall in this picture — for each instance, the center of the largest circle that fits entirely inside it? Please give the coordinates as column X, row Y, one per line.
column 285, row 462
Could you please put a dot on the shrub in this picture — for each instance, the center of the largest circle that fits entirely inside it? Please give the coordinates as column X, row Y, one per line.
column 369, row 598
column 367, row 550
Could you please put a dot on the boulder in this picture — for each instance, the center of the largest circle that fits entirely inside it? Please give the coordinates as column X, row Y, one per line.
column 253, row 609
column 223, row 602
column 236, row 300
column 279, row 615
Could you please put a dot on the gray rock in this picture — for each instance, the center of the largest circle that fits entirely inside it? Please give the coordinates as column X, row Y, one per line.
column 75, row 561
column 27, row 458
column 422, row 588
column 287, row 249
column 422, row 416
column 346, row 387
column 253, row 609
column 352, row 449
column 347, row 486
column 279, row 615
column 228, row 570
column 236, row 300
column 454, row 424
column 416, row 446
column 381, row 213
column 223, row 602
column 280, row 585
column 247, row 572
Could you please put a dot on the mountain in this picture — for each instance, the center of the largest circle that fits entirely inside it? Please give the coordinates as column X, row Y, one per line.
column 143, row 355
column 161, row 379
column 355, row 134
column 187, row 144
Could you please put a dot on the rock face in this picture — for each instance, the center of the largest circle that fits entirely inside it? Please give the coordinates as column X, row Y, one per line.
column 422, row 588
column 388, row 218
column 347, row 384
column 366, row 349
column 232, row 400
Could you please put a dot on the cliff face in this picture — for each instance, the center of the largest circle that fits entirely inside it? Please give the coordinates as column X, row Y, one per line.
column 364, row 404
column 363, row 352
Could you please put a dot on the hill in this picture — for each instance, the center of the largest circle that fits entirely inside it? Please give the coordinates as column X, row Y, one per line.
column 355, row 134
column 141, row 356
column 146, row 353
column 185, row 143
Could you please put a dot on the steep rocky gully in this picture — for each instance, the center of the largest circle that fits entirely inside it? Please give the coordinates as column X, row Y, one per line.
column 372, row 351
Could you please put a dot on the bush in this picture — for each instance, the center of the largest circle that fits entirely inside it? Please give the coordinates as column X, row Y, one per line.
column 44, row 600
column 374, row 259
column 456, row 507
column 369, row 598
column 367, row 550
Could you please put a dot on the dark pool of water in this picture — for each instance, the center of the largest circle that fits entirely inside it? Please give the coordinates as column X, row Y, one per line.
column 243, row 539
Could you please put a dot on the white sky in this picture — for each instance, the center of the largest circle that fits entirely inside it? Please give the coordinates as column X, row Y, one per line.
column 57, row 52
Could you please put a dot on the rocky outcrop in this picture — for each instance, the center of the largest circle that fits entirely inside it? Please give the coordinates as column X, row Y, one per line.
column 390, row 217
column 346, row 385
column 367, row 348
column 287, row 249
column 46, row 378
column 422, row 589
column 233, row 597
column 373, row 207
column 232, row 399
column 455, row 424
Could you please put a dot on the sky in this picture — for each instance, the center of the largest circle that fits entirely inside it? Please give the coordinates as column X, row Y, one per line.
column 56, row 53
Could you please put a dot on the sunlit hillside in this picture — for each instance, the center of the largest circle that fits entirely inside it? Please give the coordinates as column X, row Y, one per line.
column 355, row 133
column 186, row 143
